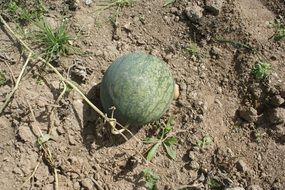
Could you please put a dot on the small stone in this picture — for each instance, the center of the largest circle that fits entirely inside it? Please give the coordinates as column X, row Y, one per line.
column 87, row 184
column 215, row 52
column 72, row 141
column 194, row 13
column 282, row 91
column 88, row 2
column 235, row 188
column 176, row 91
column 276, row 100
column 277, row 116
column 249, row 114
column 214, row 6
column 76, row 185
column 194, row 165
column 254, row 187
column 241, row 166
column 173, row 10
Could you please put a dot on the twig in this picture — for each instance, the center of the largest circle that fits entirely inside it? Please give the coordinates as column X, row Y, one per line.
column 32, row 175
column 34, row 118
column 96, row 183
column 8, row 98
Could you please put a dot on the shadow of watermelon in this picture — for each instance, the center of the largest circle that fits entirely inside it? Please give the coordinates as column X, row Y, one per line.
column 95, row 133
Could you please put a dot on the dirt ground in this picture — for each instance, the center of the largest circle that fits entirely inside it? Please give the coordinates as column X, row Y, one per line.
column 219, row 98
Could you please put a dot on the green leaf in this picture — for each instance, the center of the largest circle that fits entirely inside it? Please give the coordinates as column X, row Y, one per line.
column 150, row 178
column 43, row 139
column 170, row 141
column 168, row 126
column 170, row 152
column 150, row 140
column 168, row 2
column 151, row 153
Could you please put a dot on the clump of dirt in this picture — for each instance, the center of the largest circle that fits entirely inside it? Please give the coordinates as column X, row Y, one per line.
column 230, row 125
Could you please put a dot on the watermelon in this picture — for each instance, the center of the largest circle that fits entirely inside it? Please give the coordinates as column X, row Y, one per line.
column 140, row 86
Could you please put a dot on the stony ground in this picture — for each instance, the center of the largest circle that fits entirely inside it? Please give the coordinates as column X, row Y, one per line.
column 211, row 48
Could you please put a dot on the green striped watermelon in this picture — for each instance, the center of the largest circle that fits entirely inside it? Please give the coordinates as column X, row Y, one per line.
column 140, row 86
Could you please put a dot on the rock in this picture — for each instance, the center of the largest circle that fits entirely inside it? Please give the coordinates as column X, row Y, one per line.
column 282, row 91
column 87, row 184
column 71, row 139
column 241, row 166
column 25, row 134
column 215, row 53
column 214, row 6
column 276, row 116
column 88, row 2
column 194, row 165
column 276, row 100
column 254, row 187
column 235, row 188
column 249, row 114
column 194, row 13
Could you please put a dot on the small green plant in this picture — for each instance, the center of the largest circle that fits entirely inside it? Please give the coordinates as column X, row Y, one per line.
column 206, row 140
column 24, row 11
column 150, row 178
column 164, row 138
column 53, row 41
column 168, row 2
column 193, row 49
column 2, row 78
column 261, row 69
column 279, row 31
column 214, row 184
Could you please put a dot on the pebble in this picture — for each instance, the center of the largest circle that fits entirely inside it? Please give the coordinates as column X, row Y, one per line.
column 194, row 165
column 254, row 187
column 194, row 13
column 87, row 183
column 241, row 166
column 71, row 139
column 249, row 114
column 276, row 100
column 214, row 6
column 235, row 188
column 88, row 2
column 276, row 115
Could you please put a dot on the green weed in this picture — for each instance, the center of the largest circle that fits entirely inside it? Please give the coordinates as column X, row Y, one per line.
column 214, row 184
column 150, row 178
column 24, row 11
column 2, row 78
column 261, row 69
column 279, row 31
column 206, row 140
column 53, row 42
column 193, row 49
column 164, row 139
column 168, row 2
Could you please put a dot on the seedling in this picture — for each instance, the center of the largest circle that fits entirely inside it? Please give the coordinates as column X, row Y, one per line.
column 164, row 139
column 206, row 140
column 2, row 78
column 42, row 140
column 168, row 2
column 279, row 31
column 214, row 184
column 54, row 42
column 261, row 69
column 193, row 49
column 150, row 178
